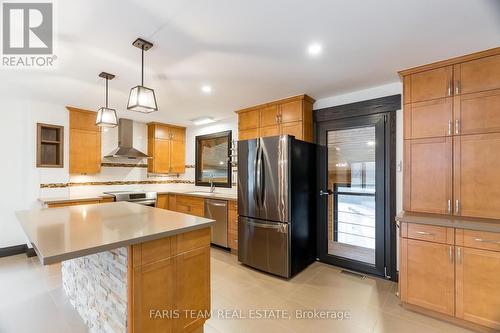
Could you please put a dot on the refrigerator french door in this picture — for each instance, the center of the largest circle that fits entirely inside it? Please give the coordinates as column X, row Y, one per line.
column 276, row 204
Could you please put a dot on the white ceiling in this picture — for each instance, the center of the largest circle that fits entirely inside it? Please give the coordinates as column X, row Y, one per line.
column 248, row 51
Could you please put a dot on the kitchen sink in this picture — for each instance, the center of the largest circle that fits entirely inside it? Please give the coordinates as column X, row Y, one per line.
column 201, row 193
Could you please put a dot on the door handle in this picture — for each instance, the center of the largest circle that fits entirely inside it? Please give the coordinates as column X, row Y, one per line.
column 327, row 192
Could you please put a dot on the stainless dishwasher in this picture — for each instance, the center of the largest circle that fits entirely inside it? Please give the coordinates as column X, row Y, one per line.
column 217, row 210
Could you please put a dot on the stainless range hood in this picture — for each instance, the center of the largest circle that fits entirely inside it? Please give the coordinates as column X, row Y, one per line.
column 125, row 140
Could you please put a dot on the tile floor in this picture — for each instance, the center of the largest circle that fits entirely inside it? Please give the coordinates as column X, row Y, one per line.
column 31, row 300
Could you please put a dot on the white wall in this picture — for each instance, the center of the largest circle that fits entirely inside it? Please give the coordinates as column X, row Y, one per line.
column 370, row 93
column 193, row 131
column 19, row 176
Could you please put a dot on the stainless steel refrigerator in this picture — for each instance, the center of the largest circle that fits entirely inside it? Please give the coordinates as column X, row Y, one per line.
column 276, row 204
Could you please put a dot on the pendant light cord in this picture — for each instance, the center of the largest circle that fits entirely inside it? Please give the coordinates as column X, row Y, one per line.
column 142, row 62
column 106, row 92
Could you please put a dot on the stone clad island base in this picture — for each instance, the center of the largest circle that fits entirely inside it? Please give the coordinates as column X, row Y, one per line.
column 155, row 286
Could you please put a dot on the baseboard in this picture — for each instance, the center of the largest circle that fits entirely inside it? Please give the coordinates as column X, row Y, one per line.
column 30, row 252
column 17, row 249
column 13, row 250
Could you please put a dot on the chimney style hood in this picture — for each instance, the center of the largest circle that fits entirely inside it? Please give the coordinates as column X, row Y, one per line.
column 125, row 139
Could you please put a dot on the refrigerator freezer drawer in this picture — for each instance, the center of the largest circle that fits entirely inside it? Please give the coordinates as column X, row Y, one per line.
column 264, row 245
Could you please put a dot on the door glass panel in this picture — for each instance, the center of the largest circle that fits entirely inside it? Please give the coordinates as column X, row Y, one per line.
column 351, row 208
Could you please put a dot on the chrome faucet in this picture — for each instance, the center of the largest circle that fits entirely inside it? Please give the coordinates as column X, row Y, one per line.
column 211, row 180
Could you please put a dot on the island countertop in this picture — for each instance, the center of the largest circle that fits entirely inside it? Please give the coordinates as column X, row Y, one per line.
column 59, row 234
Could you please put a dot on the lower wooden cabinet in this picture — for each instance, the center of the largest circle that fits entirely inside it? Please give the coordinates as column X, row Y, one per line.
column 420, row 261
column 162, row 201
column 187, row 204
column 477, row 284
column 457, row 276
column 78, row 202
column 232, row 226
column 170, row 275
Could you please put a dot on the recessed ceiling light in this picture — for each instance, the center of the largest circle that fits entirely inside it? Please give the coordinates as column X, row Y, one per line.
column 206, row 89
column 314, row 49
column 203, row 121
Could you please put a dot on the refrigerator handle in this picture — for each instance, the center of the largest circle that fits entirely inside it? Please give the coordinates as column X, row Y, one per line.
column 257, row 179
column 262, row 184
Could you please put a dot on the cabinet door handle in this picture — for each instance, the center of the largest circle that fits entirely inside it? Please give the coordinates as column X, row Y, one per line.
column 457, row 87
column 459, row 255
column 449, row 126
column 457, row 126
column 449, row 88
column 449, row 206
column 450, row 253
column 487, row 241
column 425, row 233
column 457, row 206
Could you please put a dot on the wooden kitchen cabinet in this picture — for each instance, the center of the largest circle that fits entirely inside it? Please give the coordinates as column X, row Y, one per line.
column 477, row 75
column 162, row 201
column 427, row 275
column 477, row 112
column 427, row 178
column 167, row 147
column 193, row 286
column 84, row 142
column 187, row 204
column 476, row 176
column 477, row 283
column 428, row 119
column 233, row 226
column 428, row 85
column 179, row 269
column 292, row 116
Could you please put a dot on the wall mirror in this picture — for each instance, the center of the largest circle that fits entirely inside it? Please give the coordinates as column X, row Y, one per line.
column 213, row 163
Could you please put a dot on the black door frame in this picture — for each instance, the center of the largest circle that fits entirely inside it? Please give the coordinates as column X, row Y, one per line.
column 384, row 107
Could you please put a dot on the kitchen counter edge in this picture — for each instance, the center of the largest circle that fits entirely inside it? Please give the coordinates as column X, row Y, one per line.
column 459, row 222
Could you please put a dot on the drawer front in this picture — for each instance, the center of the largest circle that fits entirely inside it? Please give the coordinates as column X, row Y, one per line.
column 192, row 240
column 481, row 240
column 431, row 233
column 190, row 205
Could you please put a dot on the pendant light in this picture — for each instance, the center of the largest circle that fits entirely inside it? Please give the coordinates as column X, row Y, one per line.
column 141, row 98
column 106, row 117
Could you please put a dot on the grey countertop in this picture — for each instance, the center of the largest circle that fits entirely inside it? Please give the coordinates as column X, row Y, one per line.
column 479, row 224
column 59, row 234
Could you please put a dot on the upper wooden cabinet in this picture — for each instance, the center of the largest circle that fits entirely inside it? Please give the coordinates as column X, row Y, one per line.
column 477, row 75
column 167, row 147
column 477, row 112
column 429, row 85
column 476, row 176
column 292, row 116
column 457, row 98
column 427, row 179
column 84, row 142
column 428, row 119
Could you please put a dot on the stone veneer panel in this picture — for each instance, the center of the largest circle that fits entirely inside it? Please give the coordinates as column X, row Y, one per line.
column 97, row 288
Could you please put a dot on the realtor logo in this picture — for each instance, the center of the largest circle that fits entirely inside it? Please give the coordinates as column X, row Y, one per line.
column 27, row 28
column 27, row 37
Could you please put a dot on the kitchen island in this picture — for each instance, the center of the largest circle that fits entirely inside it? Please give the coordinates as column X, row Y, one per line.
column 127, row 267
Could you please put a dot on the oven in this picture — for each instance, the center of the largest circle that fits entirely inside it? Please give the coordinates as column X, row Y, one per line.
column 138, row 197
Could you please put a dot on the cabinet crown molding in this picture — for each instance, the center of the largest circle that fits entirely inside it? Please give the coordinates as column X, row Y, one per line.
column 448, row 62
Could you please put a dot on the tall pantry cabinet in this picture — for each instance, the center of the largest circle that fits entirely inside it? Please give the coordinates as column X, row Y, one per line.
column 449, row 264
column 452, row 136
